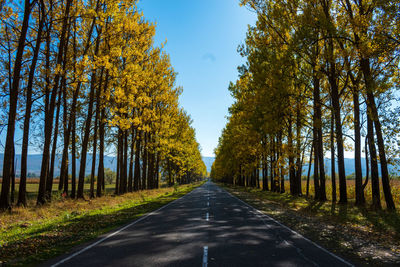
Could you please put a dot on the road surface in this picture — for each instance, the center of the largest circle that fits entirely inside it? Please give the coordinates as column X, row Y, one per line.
column 207, row 227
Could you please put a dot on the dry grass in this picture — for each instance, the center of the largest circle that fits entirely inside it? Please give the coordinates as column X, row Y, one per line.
column 351, row 193
column 67, row 205
column 31, row 180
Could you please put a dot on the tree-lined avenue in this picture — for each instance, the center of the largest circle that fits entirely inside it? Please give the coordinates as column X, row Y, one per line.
column 235, row 234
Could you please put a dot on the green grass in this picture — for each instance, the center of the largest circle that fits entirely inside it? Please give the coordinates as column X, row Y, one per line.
column 33, row 235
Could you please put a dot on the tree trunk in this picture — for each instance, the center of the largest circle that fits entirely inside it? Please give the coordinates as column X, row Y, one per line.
column 264, row 168
column 316, row 125
column 73, row 159
column 28, row 110
column 292, row 171
column 151, row 170
column 49, row 182
column 272, row 165
column 332, row 79
column 130, row 176
column 136, row 178
column 100, row 172
column 258, row 175
column 299, row 164
column 64, row 161
column 88, row 122
column 125, row 160
column 93, row 172
column 123, row 163
column 13, row 177
column 309, row 171
column 85, row 140
column 144, row 162
column 64, row 164
column 62, row 180
column 319, row 149
column 376, row 200
column 157, row 183
column 339, row 135
column 117, row 181
column 170, row 182
column 7, row 160
column 282, row 177
column 333, row 172
column 360, row 199
column 366, row 163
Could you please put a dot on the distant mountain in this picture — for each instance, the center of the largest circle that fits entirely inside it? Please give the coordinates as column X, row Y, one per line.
column 209, row 162
column 348, row 164
column 35, row 161
column 349, row 167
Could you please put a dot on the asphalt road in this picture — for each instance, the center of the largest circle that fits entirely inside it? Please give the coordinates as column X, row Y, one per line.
column 207, row 227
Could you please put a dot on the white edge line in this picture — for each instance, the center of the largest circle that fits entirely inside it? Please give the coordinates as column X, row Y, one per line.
column 118, row 231
column 292, row 231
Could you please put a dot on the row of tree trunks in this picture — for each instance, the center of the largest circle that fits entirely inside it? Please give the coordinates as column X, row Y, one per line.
column 50, row 102
column 373, row 116
column 142, row 170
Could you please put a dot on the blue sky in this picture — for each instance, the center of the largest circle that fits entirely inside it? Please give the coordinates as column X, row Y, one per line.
column 202, row 38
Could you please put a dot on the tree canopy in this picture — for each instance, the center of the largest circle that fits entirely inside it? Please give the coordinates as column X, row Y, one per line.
column 320, row 76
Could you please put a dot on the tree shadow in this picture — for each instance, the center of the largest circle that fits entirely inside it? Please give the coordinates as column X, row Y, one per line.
column 381, row 220
column 56, row 237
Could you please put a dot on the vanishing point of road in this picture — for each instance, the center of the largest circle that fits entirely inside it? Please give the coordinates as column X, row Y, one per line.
column 207, row 227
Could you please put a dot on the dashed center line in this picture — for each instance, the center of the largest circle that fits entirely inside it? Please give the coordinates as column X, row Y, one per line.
column 207, row 217
column 205, row 256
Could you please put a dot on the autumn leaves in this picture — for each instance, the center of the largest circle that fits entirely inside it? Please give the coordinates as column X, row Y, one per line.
column 99, row 85
column 320, row 76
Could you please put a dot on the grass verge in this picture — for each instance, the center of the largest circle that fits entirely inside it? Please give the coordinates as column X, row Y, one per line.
column 32, row 235
column 363, row 236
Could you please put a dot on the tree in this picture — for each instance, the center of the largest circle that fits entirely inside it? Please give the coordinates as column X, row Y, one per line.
column 14, row 90
column 322, row 56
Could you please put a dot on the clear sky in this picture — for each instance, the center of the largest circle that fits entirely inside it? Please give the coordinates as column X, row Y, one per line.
column 202, row 39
